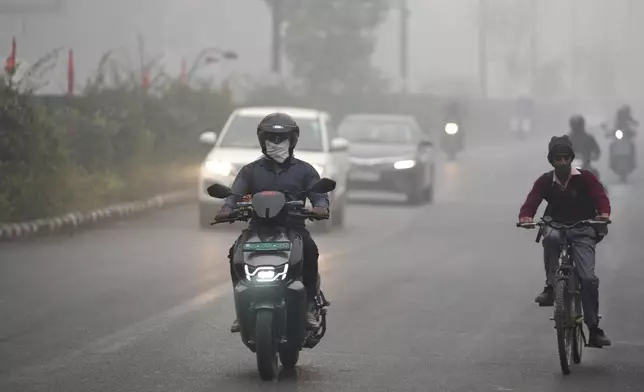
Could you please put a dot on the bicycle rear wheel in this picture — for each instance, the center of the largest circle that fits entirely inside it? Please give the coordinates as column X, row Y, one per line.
column 565, row 331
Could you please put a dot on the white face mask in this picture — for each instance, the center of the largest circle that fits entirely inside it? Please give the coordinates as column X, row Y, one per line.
column 278, row 152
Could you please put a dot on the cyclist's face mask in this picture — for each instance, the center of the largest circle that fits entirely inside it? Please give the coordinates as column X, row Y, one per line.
column 562, row 163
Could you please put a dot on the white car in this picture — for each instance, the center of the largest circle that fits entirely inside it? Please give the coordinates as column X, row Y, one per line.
column 237, row 145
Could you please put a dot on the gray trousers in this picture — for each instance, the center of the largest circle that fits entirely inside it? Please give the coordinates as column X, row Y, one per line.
column 583, row 253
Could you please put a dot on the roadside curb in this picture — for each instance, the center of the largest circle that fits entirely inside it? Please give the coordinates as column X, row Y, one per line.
column 74, row 221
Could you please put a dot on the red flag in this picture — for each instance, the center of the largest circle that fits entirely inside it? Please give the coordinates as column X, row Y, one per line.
column 145, row 82
column 183, row 75
column 70, row 73
column 10, row 64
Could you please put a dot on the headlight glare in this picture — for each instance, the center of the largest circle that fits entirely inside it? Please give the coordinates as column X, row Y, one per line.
column 266, row 273
column 406, row 164
column 451, row 128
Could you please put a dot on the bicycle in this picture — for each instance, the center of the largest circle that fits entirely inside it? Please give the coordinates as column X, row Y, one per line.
column 568, row 310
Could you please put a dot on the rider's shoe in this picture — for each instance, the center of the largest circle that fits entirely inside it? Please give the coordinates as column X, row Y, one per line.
column 235, row 327
column 598, row 338
column 547, row 297
column 312, row 322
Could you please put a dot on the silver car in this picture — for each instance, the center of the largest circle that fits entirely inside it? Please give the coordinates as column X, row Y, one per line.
column 390, row 153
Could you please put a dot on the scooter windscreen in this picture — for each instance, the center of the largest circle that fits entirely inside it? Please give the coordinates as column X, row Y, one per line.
column 268, row 204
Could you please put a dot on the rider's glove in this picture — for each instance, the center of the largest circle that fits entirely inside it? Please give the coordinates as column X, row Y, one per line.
column 223, row 215
column 525, row 219
column 320, row 211
column 603, row 217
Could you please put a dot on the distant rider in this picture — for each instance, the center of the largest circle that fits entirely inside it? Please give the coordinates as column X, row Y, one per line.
column 583, row 143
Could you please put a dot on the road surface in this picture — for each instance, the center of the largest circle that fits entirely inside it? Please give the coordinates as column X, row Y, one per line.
column 432, row 298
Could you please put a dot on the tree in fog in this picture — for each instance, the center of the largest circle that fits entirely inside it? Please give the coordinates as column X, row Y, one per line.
column 329, row 43
column 509, row 39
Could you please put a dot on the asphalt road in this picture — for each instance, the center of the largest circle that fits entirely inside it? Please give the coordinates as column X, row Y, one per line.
column 432, row 298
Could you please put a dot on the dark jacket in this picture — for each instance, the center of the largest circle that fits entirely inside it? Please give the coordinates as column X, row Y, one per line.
column 264, row 174
column 583, row 197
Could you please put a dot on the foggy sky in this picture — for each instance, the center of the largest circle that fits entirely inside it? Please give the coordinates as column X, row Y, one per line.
column 443, row 36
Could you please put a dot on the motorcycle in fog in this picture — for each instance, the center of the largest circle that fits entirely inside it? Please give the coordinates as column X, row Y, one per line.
column 621, row 155
column 521, row 127
column 452, row 140
column 585, row 164
column 270, row 298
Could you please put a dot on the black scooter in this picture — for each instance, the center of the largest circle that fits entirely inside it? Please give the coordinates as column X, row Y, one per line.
column 270, row 298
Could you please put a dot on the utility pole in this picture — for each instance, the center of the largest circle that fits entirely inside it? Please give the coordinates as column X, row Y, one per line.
column 278, row 20
column 573, row 49
column 404, row 45
column 22, row 10
column 534, row 47
column 483, row 69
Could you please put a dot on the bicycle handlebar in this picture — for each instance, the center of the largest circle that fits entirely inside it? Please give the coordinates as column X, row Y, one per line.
column 556, row 225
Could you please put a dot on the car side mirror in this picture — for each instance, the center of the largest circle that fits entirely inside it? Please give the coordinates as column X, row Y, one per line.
column 208, row 137
column 339, row 144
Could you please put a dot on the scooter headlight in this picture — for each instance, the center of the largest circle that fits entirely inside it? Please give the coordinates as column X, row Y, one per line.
column 619, row 134
column 266, row 273
column 451, row 128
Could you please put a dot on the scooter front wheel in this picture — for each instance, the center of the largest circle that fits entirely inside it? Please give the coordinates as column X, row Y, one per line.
column 266, row 345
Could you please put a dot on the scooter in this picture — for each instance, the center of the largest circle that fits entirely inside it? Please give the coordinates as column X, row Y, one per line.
column 270, row 297
column 621, row 155
column 452, row 140
column 521, row 127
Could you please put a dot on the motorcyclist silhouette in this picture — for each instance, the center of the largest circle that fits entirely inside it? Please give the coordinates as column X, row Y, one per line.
column 583, row 143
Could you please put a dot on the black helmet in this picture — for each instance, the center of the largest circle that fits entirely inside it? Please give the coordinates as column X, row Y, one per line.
column 277, row 127
column 577, row 122
column 560, row 144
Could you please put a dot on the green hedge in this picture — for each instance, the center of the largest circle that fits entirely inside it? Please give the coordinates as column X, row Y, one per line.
column 110, row 144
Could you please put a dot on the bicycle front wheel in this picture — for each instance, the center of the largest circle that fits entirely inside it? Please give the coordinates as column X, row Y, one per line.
column 565, row 329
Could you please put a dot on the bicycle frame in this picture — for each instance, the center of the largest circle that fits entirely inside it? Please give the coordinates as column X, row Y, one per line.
column 567, row 271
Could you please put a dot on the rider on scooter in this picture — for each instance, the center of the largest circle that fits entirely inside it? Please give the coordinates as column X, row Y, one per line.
column 583, row 143
column 625, row 122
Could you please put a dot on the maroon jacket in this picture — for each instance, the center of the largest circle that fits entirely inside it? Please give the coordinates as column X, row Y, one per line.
column 583, row 197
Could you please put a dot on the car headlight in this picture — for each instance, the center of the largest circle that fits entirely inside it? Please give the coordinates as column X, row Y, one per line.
column 220, row 168
column 406, row 164
column 319, row 169
column 266, row 273
column 451, row 128
column 619, row 134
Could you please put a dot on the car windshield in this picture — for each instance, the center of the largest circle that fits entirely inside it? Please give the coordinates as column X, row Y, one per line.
column 381, row 132
column 242, row 133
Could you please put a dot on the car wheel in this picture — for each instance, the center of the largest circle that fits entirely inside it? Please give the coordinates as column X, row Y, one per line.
column 415, row 196
column 428, row 194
